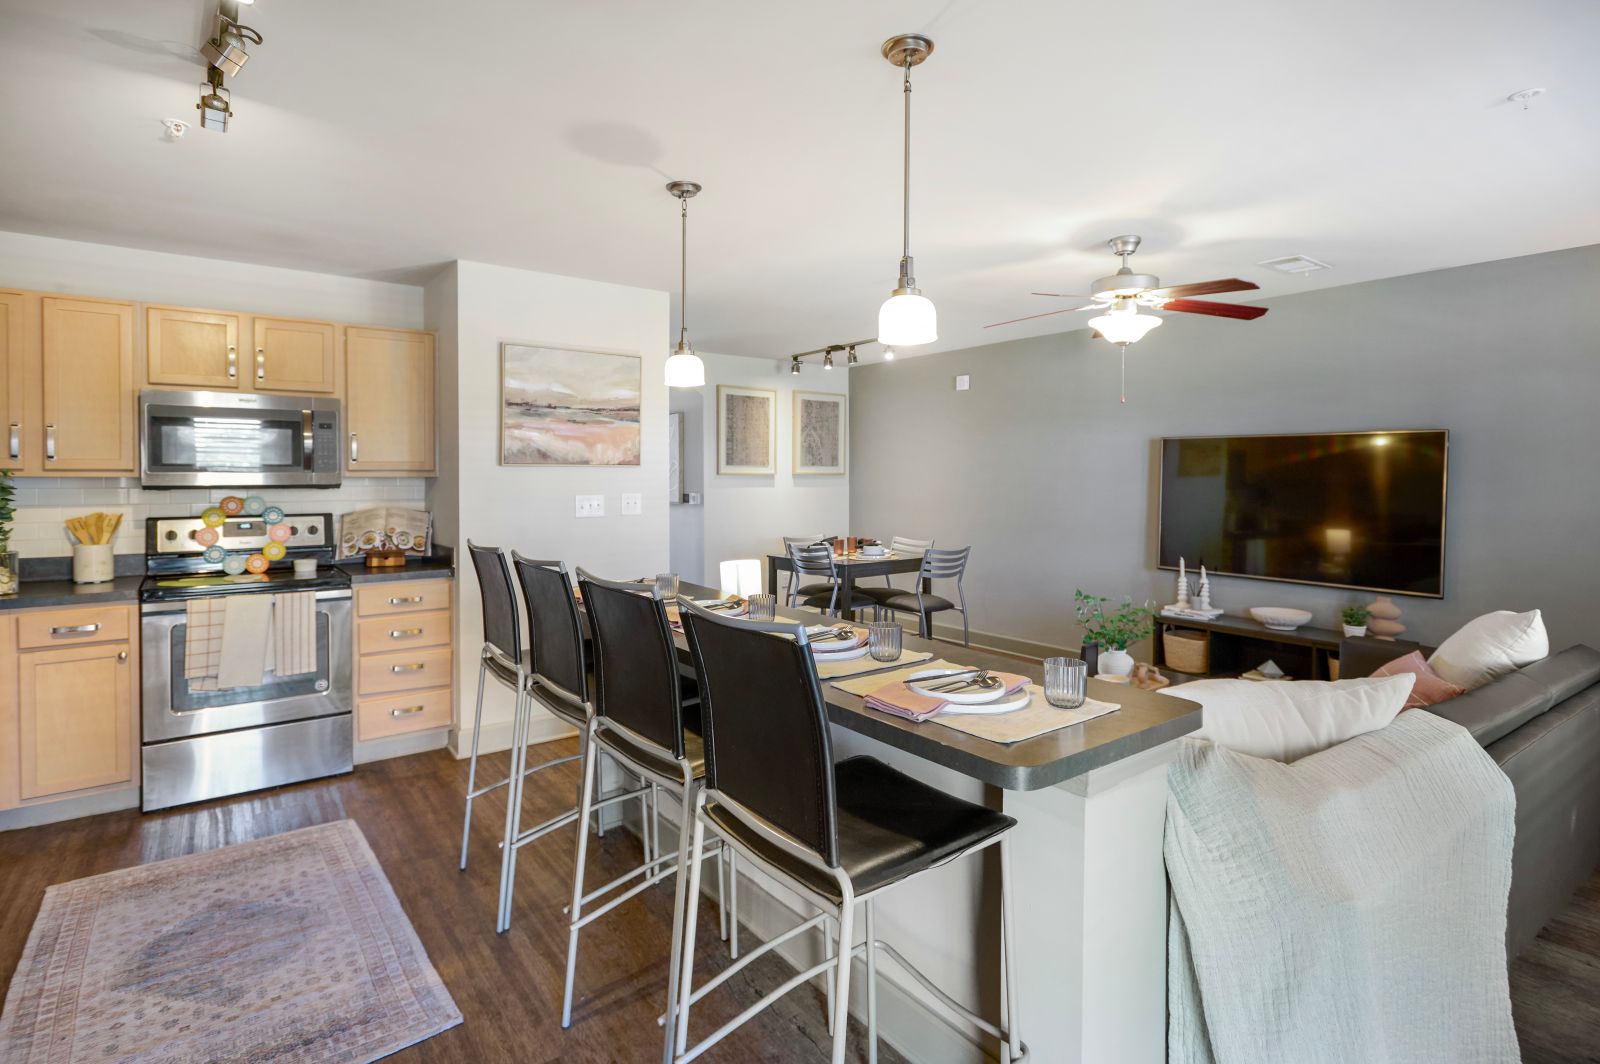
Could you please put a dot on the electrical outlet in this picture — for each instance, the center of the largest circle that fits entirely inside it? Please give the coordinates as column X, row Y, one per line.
column 963, row 383
column 591, row 506
column 632, row 504
column 693, row 498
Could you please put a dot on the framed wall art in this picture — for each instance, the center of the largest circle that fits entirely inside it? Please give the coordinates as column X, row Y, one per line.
column 747, row 431
column 568, row 406
column 820, row 429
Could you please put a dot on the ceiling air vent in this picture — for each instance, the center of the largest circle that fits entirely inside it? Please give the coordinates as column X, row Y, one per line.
column 1295, row 264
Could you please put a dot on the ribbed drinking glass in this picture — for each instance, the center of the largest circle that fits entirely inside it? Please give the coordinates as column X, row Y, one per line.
column 667, row 584
column 1065, row 682
column 763, row 607
column 883, row 640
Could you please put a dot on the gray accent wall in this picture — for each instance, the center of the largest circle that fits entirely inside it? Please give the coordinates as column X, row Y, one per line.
column 1054, row 484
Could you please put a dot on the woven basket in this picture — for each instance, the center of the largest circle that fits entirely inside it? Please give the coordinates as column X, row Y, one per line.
column 1187, row 651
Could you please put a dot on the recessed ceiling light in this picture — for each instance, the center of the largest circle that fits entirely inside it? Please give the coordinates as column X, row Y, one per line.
column 1295, row 264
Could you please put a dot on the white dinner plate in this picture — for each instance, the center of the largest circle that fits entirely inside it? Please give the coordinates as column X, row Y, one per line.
column 840, row 655
column 1006, row 705
column 958, row 698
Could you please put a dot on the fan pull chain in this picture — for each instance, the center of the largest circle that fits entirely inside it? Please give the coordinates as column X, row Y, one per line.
column 1122, row 353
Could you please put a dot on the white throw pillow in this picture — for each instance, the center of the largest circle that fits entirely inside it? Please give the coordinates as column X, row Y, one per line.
column 1490, row 646
column 1286, row 720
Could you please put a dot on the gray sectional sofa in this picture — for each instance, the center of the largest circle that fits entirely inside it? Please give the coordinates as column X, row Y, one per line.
column 1541, row 724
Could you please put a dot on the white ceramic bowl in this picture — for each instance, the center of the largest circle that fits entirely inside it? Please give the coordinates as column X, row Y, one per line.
column 874, row 551
column 1280, row 618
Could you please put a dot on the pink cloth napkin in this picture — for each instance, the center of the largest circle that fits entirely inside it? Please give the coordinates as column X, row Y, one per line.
column 898, row 699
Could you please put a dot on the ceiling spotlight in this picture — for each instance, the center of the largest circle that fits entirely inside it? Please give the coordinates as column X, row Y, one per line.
column 888, row 354
column 827, row 360
column 850, row 355
column 226, row 50
column 214, row 106
column 794, row 365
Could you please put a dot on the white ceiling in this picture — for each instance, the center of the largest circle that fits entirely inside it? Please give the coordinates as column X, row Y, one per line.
column 380, row 139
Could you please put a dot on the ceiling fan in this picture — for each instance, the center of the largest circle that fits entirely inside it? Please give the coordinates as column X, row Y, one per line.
column 1119, row 296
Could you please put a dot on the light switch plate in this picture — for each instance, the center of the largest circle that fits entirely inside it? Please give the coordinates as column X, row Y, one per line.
column 632, row 504
column 692, row 498
column 591, row 506
column 963, row 382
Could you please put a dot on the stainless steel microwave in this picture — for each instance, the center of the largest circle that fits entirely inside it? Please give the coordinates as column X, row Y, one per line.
column 225, row 440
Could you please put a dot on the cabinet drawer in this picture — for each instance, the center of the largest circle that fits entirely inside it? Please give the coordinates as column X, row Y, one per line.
column 403, row 670
column 402, row 596
column 54, row 628
column 407, row 712
column 380, row 635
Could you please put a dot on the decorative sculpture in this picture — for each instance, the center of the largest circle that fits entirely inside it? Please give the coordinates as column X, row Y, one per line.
column 1204, row 596
column 1183, row 586
column 1383, row 619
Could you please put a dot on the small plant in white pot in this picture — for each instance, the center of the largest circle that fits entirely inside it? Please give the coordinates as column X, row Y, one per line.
column 1355, row 620
column 1113, row 632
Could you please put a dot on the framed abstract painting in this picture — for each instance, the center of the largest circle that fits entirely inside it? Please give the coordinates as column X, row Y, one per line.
column 747, row 431
column 567, row 406
column 820, row 428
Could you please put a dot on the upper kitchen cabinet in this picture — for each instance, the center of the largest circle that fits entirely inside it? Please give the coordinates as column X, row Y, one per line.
column 89, row 407
column 389, row 412
column 19, row 356
column 295, row 356
column 192, row 348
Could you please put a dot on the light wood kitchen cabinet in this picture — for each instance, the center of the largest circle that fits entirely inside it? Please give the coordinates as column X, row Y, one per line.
column 403, row 659
column 294, row 356
column 19, row 354
column 88, row 394
column 191, row 348
column 68, row 702
column 389, row 413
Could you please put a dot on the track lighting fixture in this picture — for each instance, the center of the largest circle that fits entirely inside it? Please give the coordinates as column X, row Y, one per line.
column 851, row 356
column 226, row 52
column 827, row 359
column 215, row 104
column 888, row 354
column 794, row 365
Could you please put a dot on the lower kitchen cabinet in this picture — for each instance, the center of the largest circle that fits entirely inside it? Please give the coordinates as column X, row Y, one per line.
column 404, row 665
column 69, row 682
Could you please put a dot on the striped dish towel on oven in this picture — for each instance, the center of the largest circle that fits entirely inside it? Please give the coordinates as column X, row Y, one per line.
column 294, row 633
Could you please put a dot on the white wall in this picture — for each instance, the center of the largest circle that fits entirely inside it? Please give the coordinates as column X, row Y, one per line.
column 530, row 508
column 748, row 516
column 46, row 264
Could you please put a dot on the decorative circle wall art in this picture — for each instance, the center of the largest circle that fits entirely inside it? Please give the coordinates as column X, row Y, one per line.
column 254, row 505
column 232, row 505
column 213, row 517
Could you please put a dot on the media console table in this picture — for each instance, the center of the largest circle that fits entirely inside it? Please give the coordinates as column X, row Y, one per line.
column 1238, row 644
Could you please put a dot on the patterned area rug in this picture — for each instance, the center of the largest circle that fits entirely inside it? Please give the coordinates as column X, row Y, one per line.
column 291, row 948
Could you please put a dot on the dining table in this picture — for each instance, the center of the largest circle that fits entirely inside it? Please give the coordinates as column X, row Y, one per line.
column 852, row 566
column 1088, row 871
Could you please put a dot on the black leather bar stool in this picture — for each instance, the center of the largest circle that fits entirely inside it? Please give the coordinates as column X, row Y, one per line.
column 834, row 834
column 641, row 721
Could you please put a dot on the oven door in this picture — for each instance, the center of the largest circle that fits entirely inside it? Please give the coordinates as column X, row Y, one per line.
column 173, row 710
column 213, row 439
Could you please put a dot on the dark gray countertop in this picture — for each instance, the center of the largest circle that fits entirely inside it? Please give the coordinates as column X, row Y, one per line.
column 420, row 569
column 34, row 593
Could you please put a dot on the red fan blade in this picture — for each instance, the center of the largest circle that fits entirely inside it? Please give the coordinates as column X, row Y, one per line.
column 1046, row 314
column 1056, row 295
column 1204, row 288
column 1216, row 310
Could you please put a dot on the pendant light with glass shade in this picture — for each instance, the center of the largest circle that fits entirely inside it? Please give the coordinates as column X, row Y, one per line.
column 684, row 368
column 907, row 318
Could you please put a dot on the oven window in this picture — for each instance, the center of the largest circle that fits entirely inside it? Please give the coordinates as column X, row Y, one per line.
column 185, row 700
column 246, row 443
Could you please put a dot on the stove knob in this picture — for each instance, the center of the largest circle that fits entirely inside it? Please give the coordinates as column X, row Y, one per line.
column 311, row 530
column 172, row 537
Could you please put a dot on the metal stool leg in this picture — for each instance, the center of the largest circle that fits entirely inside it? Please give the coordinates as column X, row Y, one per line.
column 1008, row 953
column 508, row 852
column 691, row 909
column 472, row 768
column 733, row 902
column 841, row 993
column 589, row 759
column 872, row 983
column 832, row 975
column 722, row 894
column 680, row 886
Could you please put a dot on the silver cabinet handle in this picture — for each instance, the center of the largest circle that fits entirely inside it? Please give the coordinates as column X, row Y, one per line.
column 50, row 443
column 354, row 448
column 404, row 633
column 405, row 711
column 418, row 667
column 16, row 440
column 74, row 629
column 404, row 601
column 261, row 364
column 233, row 363
column 122, row 656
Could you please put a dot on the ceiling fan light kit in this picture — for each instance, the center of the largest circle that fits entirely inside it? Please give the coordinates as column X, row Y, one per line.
column 907, row 318
column 684, row 369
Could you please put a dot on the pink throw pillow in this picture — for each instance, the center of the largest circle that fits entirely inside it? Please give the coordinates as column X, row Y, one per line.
column 1430, row 688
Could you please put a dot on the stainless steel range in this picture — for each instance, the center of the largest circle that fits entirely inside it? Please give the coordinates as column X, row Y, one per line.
column 200, row 742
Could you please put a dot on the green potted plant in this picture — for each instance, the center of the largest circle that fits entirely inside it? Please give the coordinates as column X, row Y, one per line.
column 1114, row 631
column 8, row 513
column 1355, row 620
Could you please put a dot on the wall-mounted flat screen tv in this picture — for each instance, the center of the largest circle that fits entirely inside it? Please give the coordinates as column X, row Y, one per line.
column 1347, row 509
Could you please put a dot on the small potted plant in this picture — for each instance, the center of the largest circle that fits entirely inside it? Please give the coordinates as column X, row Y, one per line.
column 1113, row 632
column 8, row 513
column 1355, row 620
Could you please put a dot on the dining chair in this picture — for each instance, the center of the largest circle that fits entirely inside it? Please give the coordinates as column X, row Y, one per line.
column 793, row 577
column 642, row 721
column 898, row 545
column 811, row 562
column 937, row 564
column 835, row 834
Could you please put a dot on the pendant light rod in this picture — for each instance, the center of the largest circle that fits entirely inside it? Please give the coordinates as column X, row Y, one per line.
column 684, row 369
column 907, row 318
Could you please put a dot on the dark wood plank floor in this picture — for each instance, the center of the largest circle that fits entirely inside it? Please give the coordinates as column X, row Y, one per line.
column 1555, row 986
column 508, row 987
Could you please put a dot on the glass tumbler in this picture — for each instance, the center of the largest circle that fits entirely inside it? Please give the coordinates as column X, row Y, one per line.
column 1065, row 682
column 883, row 640
column 667, row 585
column 762, row 607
